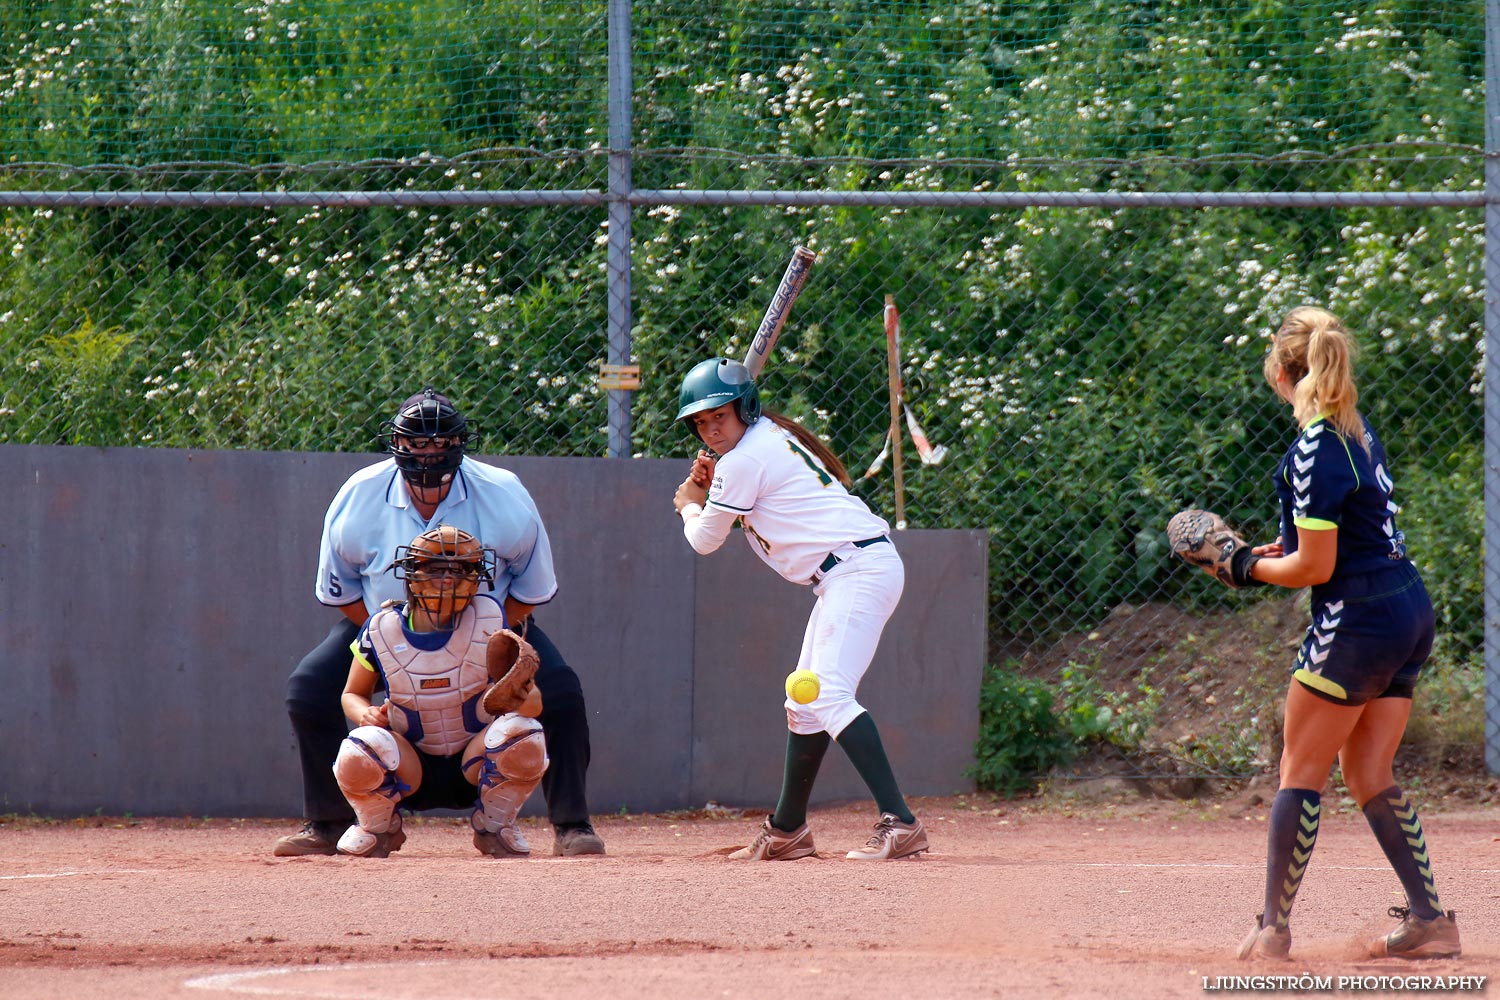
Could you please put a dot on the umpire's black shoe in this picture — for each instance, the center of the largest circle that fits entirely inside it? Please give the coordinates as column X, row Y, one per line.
column 575, row 840
column 315, row 837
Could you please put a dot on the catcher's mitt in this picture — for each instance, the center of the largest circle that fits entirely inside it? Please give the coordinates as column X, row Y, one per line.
column 512, row 663
column 1202, row 538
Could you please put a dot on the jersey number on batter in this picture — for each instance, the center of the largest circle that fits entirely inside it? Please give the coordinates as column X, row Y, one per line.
column 765, row 545
column 818, row 470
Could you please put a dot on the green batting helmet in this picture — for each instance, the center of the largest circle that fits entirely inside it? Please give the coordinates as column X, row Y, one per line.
column 712, row 383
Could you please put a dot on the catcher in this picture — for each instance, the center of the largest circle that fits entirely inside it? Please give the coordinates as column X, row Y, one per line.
column 459, row 720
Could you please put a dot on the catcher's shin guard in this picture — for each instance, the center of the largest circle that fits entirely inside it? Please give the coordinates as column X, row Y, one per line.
column 366, row 773
column 515, row 757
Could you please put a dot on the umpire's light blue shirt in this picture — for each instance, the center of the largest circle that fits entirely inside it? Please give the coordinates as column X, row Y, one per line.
column 373, row 513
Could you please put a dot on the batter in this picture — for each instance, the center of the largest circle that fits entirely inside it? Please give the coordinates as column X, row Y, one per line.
column 787, row 490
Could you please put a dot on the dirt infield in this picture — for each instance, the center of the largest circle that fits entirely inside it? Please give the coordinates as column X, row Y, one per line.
column 1012, row 901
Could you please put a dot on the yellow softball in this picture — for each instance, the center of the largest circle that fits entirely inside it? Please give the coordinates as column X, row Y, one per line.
column 802, row 686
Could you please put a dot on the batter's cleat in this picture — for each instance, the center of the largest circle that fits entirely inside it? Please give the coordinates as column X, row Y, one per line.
column 1266, row 942
column 315, row 837
column 771, row 844
column 507, row 842
column 892, row 839
column 1418, row 938
column 574, row 841
column 361, row 843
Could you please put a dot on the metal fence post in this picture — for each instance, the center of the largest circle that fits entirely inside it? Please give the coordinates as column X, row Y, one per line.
column 1492, row 385
column 618, row 263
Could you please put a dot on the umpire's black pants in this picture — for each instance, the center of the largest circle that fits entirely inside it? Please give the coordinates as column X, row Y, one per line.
column 312, row 701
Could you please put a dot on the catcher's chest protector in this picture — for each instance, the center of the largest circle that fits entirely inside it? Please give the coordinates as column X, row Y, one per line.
column 434, row 696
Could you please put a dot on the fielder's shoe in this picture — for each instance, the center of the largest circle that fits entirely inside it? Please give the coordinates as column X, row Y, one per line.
column 892, row 839
column 1266, row 942
column 572, row 841
column 315, row 837
column 1418, row 938
column 771, row 844
column 507, row 842
column 361, row 843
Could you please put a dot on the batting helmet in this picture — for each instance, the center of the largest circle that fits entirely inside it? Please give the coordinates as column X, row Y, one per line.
column 428, row 438
column 712, row 383
column 442, row 568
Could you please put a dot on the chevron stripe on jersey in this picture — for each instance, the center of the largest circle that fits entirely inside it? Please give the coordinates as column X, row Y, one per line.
column 1303, row 456
column 1328, row 480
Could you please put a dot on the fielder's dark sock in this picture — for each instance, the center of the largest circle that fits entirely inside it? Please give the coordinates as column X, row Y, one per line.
column 1289, row 843
column 804, row 755
column 1399, row 832
column 861, row 741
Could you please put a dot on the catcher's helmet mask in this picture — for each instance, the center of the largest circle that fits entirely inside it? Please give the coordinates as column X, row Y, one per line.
column 428, row 438
column 443, row 568
column 713, row 383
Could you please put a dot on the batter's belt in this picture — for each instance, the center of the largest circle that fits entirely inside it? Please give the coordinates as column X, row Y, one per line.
column 831, row 560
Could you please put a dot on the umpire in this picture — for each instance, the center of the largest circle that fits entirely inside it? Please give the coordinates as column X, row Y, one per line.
column 427, row 481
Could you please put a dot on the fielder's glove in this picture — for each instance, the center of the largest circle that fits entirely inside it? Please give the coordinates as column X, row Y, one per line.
column 512, row 663
column 1202, row 538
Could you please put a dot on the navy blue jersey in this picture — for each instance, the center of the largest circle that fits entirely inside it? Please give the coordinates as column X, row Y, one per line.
column 1328, row 481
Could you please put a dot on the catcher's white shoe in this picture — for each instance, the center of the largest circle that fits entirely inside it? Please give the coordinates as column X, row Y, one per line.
column 361, row 843
column 771, row 844
column 506, row 842
column 892, row 839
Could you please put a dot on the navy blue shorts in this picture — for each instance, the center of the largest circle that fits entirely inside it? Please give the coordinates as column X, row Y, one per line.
column 1369, row 637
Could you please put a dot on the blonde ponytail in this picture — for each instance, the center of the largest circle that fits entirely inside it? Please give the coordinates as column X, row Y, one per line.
column 1317, row 353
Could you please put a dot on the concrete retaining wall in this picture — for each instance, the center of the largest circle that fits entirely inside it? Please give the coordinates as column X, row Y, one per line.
column 153, row 602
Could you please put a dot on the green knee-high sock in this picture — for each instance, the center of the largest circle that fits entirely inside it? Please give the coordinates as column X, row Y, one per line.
column 804, row 755
column 861, row 741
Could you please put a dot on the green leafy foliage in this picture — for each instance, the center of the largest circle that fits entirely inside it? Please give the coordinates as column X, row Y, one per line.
column 1448, row 708
column 1091, row 713
column 1089, row 370
column 81, row 370
column 138, row 82
column 1020, row 737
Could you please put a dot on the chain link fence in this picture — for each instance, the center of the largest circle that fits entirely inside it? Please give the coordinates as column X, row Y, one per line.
column 260, row 226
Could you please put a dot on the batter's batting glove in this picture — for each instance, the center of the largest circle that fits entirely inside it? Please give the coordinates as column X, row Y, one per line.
column 1202, row 538
column 512, row 663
